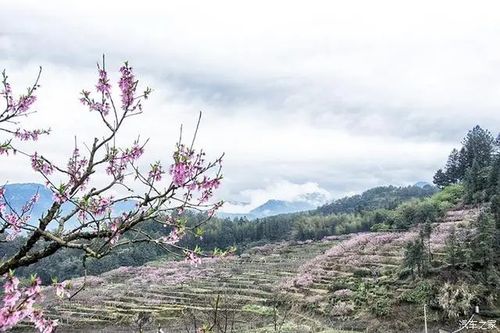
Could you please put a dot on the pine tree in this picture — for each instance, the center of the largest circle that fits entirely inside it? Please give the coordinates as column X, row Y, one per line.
column 441, row 179
column 478, row 145
column 483, row 245
column 454, row 167
column 455, row 253
column 494, row 178
column 425, row 239
column 414, row 256
column 462, row 163
column 475, row 183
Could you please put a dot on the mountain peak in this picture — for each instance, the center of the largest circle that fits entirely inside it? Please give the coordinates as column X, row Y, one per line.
column 276, row 207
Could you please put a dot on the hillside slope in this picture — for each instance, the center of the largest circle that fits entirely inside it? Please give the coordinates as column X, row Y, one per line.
column 342, row 282
column 356, row 282
column 176, row 294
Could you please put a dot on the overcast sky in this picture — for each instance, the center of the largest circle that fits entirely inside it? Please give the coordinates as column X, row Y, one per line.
column 303, row 96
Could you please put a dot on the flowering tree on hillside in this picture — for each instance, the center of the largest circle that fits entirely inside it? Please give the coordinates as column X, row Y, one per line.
column 82, row 214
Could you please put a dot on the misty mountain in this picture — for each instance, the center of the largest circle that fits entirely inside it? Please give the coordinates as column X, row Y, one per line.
column 422, row 184
column 16, row 195
column 276, row 207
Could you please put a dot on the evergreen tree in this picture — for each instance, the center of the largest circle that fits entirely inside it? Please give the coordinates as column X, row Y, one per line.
column 455, row 167
column 483, row 249
column 425, row 235
column 455, row 253
column 462, row 163
column 415, row 257
column 475, row 183
column 441, row 179
column 494, row 178
column 478, row 145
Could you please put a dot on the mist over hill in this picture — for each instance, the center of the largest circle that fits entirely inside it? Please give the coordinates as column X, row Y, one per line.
column 378, row 197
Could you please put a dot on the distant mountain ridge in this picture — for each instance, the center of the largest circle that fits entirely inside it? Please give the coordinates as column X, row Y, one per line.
column 275, row 207
column 302, row 202
column 387, row 197
column 377, row 197
column 18, row 194
column 422, row 184
column 270, row 208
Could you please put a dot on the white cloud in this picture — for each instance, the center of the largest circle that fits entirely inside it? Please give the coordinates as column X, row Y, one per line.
column 344, row 94
column 279, row 190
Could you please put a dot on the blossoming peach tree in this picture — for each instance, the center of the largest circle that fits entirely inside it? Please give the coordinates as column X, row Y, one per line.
column 82, row 214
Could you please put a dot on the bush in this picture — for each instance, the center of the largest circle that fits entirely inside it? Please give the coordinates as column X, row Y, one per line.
column 451, row 194
column 455, row 299
column 362, row 272
column 421, row 294
column 381, row 307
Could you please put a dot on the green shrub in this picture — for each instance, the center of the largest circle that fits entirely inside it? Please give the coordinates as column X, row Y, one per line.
column 451, row 194
column 381, row 307
column 404, row 273
column 380, row 227
column 421, row 294
column 362, row 272
column 455, row 299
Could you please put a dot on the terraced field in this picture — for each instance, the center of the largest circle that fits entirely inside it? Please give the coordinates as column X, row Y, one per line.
column 336, row 283
column 349, row 280
column 176, row 295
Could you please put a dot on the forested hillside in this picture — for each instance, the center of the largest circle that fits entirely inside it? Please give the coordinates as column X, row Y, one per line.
column 379, row 209
column 366, row 262
column 353, row 214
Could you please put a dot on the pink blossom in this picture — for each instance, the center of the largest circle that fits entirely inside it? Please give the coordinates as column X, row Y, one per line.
column 115, row 229
column 11, row 299
column 28, row 206
column 172, row 238
column 62, row 290
column 116, row 167
column 24, row 103
column 15, row 223
column 101, row 107
column 4, row 148
column 43, row 325
column 180, row 172
column 76, row 166
column 34, row 288
column 25, row 135
column 11, row 284
column 18, row 305
column 60, row 197
column 132, row 154
column 117, row 162
column 40, row 165
column 156, row 172
column 103, row 85
column 100, row 205
column 192, row 258
column 127, row 86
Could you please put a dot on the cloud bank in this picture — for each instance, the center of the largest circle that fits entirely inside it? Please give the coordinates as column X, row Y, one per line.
column 333, row 96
